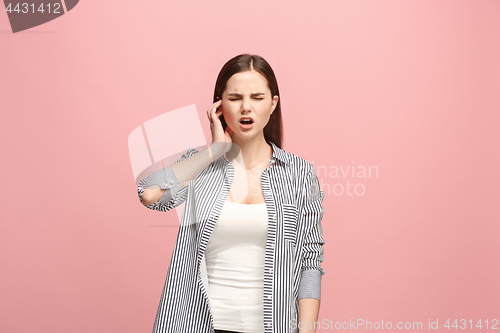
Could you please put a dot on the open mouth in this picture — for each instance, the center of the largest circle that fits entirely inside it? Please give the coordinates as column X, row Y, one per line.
column 246, row 121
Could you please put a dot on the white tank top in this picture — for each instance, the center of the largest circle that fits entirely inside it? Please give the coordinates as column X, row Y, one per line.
column 235, row 267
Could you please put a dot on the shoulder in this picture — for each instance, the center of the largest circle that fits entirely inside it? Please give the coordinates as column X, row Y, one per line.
column 296, row 162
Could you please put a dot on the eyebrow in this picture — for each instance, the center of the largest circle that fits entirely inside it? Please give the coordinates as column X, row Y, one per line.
column 253, row 94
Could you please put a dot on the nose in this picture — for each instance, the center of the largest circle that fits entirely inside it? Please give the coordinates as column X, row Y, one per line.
column 246, row 105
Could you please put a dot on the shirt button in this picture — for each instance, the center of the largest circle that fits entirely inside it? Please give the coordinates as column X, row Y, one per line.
column 172, row 181
column 273, row 245
column 271, row 270
column 274, row 217
column 269, row 297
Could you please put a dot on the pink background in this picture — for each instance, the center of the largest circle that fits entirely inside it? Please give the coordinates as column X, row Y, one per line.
column 411, row 87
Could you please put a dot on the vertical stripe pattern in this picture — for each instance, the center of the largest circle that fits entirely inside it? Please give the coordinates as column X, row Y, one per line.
column 294, row 247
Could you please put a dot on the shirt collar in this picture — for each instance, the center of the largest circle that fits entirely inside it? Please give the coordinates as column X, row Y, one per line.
column 280, row 154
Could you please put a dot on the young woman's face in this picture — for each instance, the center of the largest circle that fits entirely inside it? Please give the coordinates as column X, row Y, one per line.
column 247, row 95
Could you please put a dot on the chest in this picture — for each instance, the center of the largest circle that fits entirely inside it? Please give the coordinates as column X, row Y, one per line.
column 272, row 186
column 246, row 186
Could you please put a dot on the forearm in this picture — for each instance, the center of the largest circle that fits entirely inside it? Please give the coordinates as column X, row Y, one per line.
column 188, row 169
column 308, row 314
column 179, row 174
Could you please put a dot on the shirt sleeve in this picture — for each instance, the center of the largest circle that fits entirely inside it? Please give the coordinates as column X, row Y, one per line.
column 312, row 248
column 175, row 193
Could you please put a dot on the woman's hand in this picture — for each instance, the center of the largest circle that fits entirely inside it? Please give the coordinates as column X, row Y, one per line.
column 218, row 135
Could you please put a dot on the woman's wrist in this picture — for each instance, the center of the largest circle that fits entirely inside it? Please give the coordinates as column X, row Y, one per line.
column 219, row 148
column 210, row 153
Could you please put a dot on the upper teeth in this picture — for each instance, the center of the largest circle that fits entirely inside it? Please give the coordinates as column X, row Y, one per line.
column 246, row 120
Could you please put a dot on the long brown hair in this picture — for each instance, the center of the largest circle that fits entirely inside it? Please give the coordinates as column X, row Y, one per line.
column 273, row 131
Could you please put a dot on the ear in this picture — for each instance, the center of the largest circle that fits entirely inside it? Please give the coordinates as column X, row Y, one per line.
column 275, row 103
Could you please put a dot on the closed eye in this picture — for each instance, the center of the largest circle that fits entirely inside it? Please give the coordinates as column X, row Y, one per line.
column 257, row 98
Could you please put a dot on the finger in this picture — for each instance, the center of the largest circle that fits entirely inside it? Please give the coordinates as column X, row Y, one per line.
column 217, row 114
column 217, row 118
column 210, row 110
column 217, row 105
column 214, row 107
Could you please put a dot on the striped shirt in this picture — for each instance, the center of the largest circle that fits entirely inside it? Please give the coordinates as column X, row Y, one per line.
column 294, row 245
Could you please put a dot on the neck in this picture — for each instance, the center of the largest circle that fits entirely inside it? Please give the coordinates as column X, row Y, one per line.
column 254, row 150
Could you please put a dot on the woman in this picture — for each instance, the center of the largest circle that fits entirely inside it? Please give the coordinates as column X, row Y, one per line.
column 250, row 245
